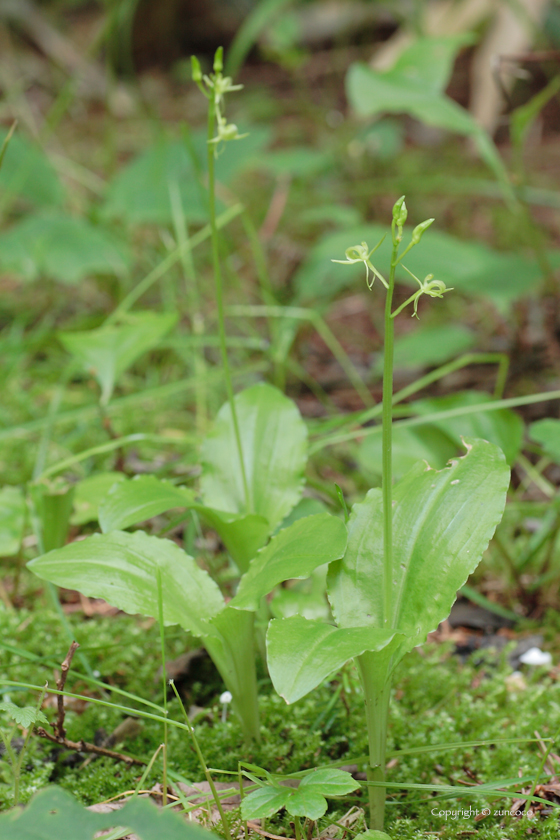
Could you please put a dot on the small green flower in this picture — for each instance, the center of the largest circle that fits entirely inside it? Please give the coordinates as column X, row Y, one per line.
column 428, row 286
column 360, row 253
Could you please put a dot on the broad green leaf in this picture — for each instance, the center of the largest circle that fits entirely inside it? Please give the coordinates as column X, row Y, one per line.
column 122, row 568
column 419, row 443
column 27, row 172
column 305, row 507
column 439, row 440
column 429, row 61
column 147, row 496
column 241, row 535
column 502, row 427
column 108, row 351
column 306, row 803
column 469, row 267
column 429, row 346
column 89, row 494
column 53, row 812
column 306, row 598
column 264, row 802
column 293, row 553
column 24, row 716
column 299, row 161
column 330, row 782
column 138, row 499
column 62, row 247
column 12, row 520
column 274, row 444
column 442, row 523
column 547, row 433
column 523, row 117
column 301, row 654
column 139, row 192
column 340, row 215
column 415, row 85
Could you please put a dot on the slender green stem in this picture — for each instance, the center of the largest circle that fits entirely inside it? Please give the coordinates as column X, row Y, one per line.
column 204, row 766
column 220, row 296
column 377, row 691
column 297, row 826
column 387, row 444
column 411, row 299
column 163, row 681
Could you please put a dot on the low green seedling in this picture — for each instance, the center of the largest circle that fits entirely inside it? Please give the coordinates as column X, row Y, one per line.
column 410, row 548
column 26, row 718
column 306, row 800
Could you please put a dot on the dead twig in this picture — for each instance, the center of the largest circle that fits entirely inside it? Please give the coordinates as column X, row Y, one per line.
column 59, row 736
column 58, row 727
column 83, row 746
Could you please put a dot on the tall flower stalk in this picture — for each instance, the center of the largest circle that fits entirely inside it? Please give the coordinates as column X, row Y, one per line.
column 377, row 693
column 214, row 87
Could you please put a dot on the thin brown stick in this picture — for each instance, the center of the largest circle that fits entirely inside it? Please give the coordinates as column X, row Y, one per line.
column 83, row 746
column 259, row 830
column 58, row 727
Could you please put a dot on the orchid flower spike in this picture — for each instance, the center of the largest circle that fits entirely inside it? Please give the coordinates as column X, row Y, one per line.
column 360, row 253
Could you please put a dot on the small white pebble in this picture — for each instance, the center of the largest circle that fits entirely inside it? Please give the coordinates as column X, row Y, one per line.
column 536, row 656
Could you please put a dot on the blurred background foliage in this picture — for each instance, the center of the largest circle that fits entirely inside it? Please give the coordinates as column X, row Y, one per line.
column 346, row 105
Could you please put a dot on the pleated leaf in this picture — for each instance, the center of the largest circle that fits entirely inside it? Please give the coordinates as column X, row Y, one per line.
column 122, row 568
column 293, row 553
column 442, row 523
column 274, row 444
column 302, row 653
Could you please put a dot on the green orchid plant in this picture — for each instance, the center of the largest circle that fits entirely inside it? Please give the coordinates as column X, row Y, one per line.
column 124, row 568
column 410, row 548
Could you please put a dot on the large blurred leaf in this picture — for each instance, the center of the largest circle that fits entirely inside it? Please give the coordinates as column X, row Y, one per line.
column 12, row 520
column 274, row 444
column 293, row 553
column 147, row 496
column 420, row 443
column 62, row 247
column 547, row 433
column 469, row 267
column 415, row 85
column 440, row 440
column 298, row 161
column 27, row 172
column 54, row 813
column 442, row 523
column 427, row 346
column 139, row 192
column 122, row 569
column 89, row 493
column 108, row 351
column 138, row 499
column 302, row 653
column 502, row 427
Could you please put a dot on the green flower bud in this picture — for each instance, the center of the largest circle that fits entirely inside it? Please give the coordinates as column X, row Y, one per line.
column 400, row 212
column 196, row 69
column 419, row 230
column 219, row 60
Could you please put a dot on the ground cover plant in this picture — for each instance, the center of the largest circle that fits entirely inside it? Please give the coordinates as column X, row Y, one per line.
column 244, row 530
